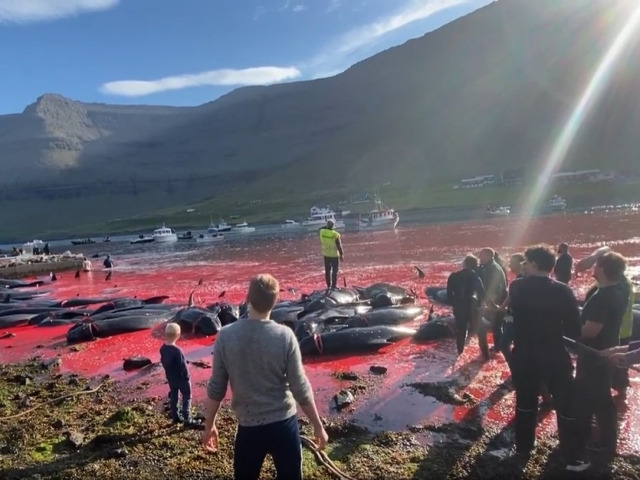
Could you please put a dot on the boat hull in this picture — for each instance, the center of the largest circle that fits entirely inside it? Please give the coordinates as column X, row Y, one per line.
column 166, row 238
column 142, row 240
column 386, row 224
column 209, row 239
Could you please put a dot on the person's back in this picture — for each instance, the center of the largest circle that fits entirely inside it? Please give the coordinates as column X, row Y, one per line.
column 464, row 289
column 544, row 311
column 563, row 267
column 262, row 362
column 263, row 382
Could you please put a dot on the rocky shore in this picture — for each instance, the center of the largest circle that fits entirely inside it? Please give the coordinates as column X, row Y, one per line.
column 63, row 426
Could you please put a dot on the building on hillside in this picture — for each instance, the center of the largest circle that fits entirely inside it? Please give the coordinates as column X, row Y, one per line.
column 513, row 176
column 478, row 182
column 582, row 176
column 361, row 198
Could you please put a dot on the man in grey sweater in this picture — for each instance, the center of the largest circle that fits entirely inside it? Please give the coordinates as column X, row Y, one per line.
column 261, row 360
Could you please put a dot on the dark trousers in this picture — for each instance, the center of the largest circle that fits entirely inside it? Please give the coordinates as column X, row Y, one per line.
column 183, row 387
column 331, row 271
column 621, row 375
column 496, row 319
column 593, row 397
column 556, row 372
column 280, row 439
column 506, row 343
column 468, row 319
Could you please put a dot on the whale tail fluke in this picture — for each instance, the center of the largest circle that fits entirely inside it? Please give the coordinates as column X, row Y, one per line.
column 222, row 294
column 419, row 271
column 200, row 282
column 191, row 302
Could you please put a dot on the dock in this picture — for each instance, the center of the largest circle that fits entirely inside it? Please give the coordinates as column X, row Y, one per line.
column 35, row 265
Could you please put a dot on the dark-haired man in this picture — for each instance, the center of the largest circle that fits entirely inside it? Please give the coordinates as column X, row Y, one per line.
column 564, row 264
column 601, row 317
column 544, row 311
column 465, row 294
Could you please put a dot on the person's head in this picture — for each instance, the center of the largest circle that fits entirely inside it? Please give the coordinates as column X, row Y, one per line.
column 538, row 260
column 330, row 224
column 263, row 293
column 84, row 259
column 563, row 248
column 172, row 332
column 108, row 256
column 486, row 255
column 470, row 262
column 609, row 268
column 515, row 263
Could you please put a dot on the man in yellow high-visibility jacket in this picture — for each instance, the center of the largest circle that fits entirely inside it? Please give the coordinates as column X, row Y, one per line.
column 332, row 253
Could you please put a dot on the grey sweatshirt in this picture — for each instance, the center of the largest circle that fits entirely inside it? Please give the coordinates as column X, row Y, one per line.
column 261, row 361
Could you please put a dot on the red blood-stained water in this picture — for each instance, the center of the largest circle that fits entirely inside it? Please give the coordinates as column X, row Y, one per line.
column 150, row 270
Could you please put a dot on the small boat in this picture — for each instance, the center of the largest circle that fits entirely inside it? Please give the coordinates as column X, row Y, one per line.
column 165, row 235
column 222, row 227
column 555, row 204
column 290, row 224
column 318, row 218
column 209, row 238
column 86, row 241
column 500, row 211
column 242, row 228
column 379, row 218
column 186, row 236
column 142, row 239
column 106, row 240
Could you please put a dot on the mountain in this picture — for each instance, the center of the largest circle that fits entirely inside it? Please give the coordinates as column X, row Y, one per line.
column 489, row 91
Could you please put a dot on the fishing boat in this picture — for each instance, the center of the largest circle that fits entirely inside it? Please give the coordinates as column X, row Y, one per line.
column 500, row 211
column 186, row 236
column 84, row 241
column 289, row 224
column 142, row 239
column 319, row 217
column 165, row 235
column 555, row 204
column 380, row 218
column 222, row 227
column 209, row 238
column 242, row 228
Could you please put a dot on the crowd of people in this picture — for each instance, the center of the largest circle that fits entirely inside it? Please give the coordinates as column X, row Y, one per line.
column 533, row 319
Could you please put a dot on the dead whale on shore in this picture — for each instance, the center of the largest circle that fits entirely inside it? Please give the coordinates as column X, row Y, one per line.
column 108, row 327
column 9, row 283
column 439, row 328
column 354, row 340
column 198, row 321
column 386, row 294
column 129, row 302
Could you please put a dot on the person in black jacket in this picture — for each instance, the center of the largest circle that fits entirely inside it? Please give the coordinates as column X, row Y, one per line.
column 564, row 264
column 544, row 311
column 465, row 293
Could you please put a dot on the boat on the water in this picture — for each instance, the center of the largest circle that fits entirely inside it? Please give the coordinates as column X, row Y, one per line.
column 165, row 235
column 242, row 228
column 142, row 239
column 318, row 218
column 84, row 241
column 186, row 236
column 499, row 211
column 289, row 224
column 209, row 238
column 381, row 217
column 222, row 227
column 555, row 204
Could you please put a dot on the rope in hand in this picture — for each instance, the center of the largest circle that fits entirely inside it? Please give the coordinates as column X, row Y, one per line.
column 63, row 397
column 323, row 459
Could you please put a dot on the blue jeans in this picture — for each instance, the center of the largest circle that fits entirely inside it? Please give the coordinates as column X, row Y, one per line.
column 280, row 439
column 183, row 387
column 506, row 342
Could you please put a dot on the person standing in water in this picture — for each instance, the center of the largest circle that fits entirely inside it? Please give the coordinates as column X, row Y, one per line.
column 332, row 253
column 564, row 264
column 465, row 293
column 108, row 263
column 495, row 284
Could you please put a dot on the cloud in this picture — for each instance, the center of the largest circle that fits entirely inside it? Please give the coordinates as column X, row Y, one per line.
column 336, row 54
column 30, row 11
column 224, row 77
column 299, row 8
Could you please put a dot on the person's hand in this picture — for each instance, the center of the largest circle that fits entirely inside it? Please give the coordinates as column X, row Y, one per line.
column 210, row 439
column 320, row 437
column 617, row 360
column 608, row 352
column 342, row 258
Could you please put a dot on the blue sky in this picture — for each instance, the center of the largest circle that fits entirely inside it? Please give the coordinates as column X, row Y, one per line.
column 188, row 52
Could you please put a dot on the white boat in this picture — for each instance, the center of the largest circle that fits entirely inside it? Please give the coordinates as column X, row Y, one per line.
column 498, row 211
column 319, row 218
column 290, row 224
column 209, row 238
column 380, row 217
column 222, row 227
column 242, row 228
column 142, row 239
column 28, row 247
column 555, row 204
column 165, row 235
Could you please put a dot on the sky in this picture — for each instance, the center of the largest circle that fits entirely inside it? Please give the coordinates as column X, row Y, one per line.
column 188, row 52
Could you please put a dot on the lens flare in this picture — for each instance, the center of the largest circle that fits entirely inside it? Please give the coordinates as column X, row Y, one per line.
column 571, row 127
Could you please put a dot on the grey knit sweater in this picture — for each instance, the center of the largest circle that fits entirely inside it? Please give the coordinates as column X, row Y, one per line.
column 261, row 361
